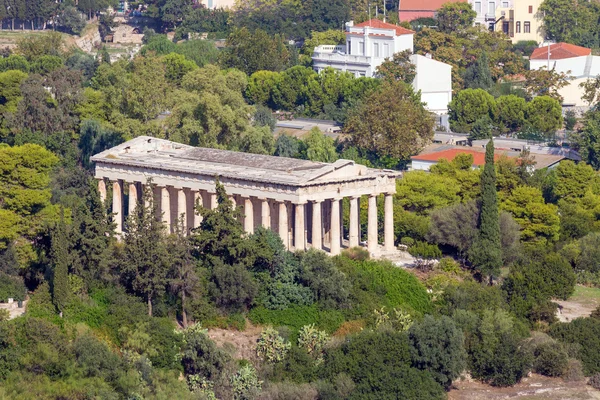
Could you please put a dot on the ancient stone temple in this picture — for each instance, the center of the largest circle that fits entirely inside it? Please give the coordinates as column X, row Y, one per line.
column 301, row 200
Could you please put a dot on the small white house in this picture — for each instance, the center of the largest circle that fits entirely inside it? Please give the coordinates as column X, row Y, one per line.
column 576, row 61
column 369, row 43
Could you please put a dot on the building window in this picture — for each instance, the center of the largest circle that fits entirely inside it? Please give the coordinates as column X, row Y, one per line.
column 361, row 48
column 530, row 9
column 491, row 7
column 349, row 49
column 505, row 4
column 518, row 27
column 386, row 50
column 526, row 27
column 376, row 50
column 478, row 7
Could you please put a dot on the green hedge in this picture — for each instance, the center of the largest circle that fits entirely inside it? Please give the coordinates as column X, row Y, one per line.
column 296, row 317
column 394, row 286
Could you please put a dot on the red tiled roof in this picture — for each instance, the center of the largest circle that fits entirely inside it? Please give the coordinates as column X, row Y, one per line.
column 425, row 5
column 559, row 51
column 450, row 154
column 376, row 23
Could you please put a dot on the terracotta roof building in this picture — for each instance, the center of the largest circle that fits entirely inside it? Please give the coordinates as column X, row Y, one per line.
column 560, row 51
column 413, row 9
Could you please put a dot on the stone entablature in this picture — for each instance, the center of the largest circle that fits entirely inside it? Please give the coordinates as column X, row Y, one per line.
column 299, row 199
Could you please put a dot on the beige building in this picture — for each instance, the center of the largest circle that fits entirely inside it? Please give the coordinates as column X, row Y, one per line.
column 522, row 21
column 300, row 200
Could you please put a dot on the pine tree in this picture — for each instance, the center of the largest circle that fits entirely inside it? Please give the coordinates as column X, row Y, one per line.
column 145, row 260
column 486, row 253
column 59, row 253
column 478, row 75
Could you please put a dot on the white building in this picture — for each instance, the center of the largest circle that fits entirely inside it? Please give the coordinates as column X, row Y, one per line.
column 486, row 10
column 576, row 61
column 368, row 44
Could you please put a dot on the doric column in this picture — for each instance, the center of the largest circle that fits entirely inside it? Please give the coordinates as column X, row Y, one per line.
column 372, row 224
column 283, row 224
column 197, row 201
column 165, row 207
column 102, row 190
column 299, row 231
column 388, row 226
column 334, row 247
column 181, row 209
column 117, row 207
column 265, row 213
column 354, row 220
column 248, row 216
column 133, row 197
column 214, row 202
column 317, row 226
column 233, row 202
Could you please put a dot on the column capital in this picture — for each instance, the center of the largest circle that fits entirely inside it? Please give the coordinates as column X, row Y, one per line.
column 315, row 201
column 299, row 203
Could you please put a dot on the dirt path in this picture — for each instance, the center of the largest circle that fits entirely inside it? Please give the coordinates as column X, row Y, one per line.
column 535, row 387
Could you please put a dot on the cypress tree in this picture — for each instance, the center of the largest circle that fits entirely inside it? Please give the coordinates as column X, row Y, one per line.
column 486, row 252
column 59, row 252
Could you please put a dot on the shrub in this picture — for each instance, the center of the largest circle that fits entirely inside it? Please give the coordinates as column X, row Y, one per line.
column 245, row 383
column 94, row 358
column 407, row 241
column 425, row 250
column 350, row 327
column 356, row 253
column 319, row 273
column 380, row 283
column 379, row 364
column 200, row 355
column 296, row 317
column 594, row 381
column 271, row 347
column 437, row 346
column 11, row 287
column 550, row 359
column 471, row 296
column 574, row 371
column 448, row 264
column 313, row 341
column 298, row 366
column 586, row 333
column 289, row 391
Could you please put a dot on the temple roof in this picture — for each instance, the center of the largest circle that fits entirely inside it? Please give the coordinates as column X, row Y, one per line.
column 153, row 153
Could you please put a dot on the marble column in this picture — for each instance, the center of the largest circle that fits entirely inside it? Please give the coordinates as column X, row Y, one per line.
column 283, row 224
column 197, row 202
column 133, row 197
column 248, row 216
column 353, row 238
column 214, row 202
column 265, row 214
column 165, row 207
column 334, row 247
column 317, row 226
column 117, row 208
column 388, row 227
column 372, row 225
column 233, row 202
column 181, row 221
column 299, row 231
column 102, row 190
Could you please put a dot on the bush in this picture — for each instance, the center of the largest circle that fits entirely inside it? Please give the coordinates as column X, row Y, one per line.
column 407, row 241
column 296, row 317
column 356, row 253
column 319, row 273
column 594, row 381
column 550, row 359
column 586, row 333
column 574, row 371
column 313, row 341
column 437, row 346
column 379, row 364
column 298, row 366
column 245, row 383
column 471, row 296
column 11, row 287
column 94, row 358
column 200, row 355
column 271, row 347
column 425, row 250
column 380, row 283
